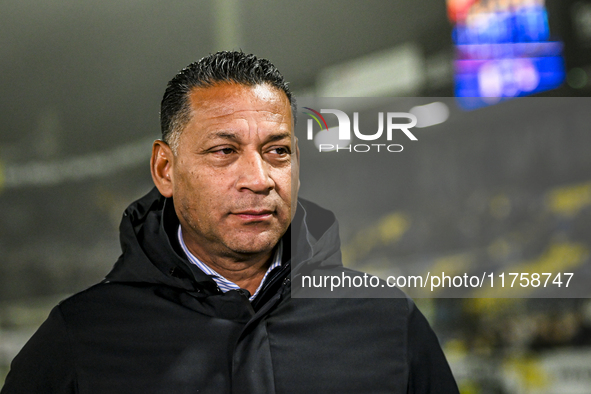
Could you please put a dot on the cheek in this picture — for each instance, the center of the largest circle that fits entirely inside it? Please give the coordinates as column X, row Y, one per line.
column 203, row 190
column 294, row 187
column 283, row 182
column 295, row 178
column 180, row 186
column 186, row 188
column 286, row 193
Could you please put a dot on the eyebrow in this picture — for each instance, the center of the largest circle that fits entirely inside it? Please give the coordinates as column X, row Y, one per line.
column 278, row 137
column 224, row 135
column 234, row 137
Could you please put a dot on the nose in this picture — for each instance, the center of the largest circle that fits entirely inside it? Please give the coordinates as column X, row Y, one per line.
column 254, row 174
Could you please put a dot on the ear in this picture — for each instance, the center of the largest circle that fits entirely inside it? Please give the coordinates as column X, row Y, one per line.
column 161, row 165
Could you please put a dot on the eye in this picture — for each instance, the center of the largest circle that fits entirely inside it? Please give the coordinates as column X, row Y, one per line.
column 224, row 151
column 281, row 150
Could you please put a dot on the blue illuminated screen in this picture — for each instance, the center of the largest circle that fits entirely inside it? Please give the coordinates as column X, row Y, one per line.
column 503, row 50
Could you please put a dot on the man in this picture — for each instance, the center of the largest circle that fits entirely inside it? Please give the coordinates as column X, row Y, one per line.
column 200, row 300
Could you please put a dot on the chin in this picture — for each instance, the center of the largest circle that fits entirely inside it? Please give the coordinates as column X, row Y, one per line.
column 255, row 245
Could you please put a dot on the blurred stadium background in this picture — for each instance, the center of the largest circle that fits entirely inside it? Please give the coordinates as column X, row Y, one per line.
column 501, row 183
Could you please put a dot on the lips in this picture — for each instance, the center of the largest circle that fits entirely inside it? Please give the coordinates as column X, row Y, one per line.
column 255, row 214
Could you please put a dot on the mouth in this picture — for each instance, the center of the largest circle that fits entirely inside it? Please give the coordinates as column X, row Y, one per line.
column 255, row 215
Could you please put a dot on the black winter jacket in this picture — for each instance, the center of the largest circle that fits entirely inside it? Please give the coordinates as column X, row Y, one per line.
column 157, row 324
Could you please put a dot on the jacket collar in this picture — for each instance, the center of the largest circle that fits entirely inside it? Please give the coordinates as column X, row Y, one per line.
column 151, row 253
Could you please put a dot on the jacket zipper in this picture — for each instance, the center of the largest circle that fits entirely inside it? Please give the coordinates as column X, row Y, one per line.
column 270, row 283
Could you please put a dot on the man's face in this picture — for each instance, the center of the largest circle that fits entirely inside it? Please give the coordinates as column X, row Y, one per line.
column 231, row 177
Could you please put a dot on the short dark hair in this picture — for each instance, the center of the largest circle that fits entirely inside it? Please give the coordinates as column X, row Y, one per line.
column 220, row 67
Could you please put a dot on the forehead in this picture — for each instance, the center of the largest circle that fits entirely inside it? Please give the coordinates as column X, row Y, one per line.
column 225, row 101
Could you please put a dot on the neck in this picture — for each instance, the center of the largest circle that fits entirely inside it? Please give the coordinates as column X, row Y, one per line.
column 245, row 270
